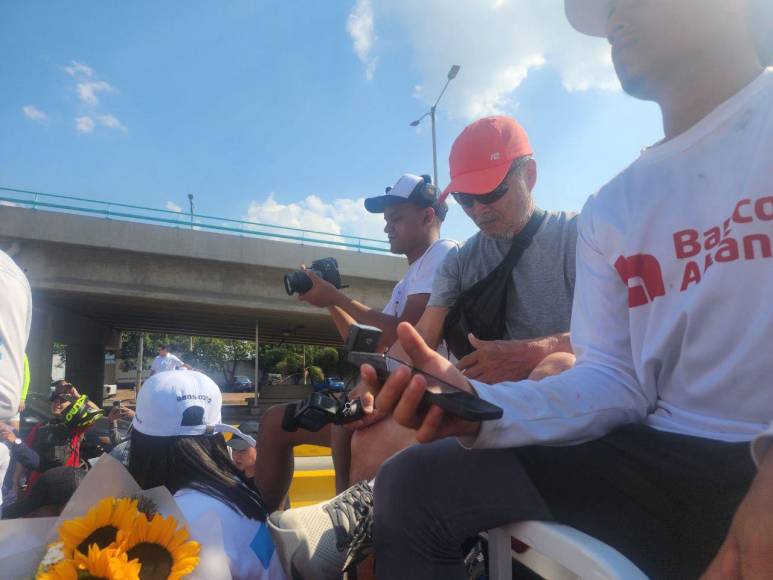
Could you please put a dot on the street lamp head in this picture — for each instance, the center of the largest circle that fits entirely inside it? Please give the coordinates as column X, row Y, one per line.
column 190, row 196
column 415, row 123
column 453, row 72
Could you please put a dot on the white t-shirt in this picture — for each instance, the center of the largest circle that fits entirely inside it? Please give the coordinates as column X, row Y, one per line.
column 247, row 543
column 418, row 279
column 672, row 320
column 162, row 364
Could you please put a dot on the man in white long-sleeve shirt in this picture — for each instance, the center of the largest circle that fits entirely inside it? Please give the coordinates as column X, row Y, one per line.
column 644, row 444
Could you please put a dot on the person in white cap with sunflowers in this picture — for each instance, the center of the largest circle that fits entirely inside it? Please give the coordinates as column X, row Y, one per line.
column 645, row 442
column 177, row 442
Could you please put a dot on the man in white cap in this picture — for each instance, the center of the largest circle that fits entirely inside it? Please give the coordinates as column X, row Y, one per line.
column 413, row 215
column 644, row 444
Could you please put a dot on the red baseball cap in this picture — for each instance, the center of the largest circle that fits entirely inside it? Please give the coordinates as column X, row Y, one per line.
column 481, row 156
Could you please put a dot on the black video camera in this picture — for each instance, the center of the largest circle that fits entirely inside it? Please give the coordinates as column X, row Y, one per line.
column 313, row 413
column 320, row 409
column 326, row 268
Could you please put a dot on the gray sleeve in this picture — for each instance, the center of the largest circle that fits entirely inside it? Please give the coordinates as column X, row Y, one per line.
column 447, row 284
column 570, row 252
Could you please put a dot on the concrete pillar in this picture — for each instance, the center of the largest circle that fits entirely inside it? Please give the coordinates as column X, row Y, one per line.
column 40, row 350
column 85, row 369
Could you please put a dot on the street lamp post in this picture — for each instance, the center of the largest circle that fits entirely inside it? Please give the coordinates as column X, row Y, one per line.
column 431, row 114
column 193, row 207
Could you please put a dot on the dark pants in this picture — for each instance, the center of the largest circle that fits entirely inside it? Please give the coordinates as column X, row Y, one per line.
column 663, row 500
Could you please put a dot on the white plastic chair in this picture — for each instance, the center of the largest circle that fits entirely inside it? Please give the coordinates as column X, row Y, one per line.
column 557, row 552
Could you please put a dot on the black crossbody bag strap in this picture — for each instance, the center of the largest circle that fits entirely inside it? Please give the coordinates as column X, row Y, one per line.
column 481, row 309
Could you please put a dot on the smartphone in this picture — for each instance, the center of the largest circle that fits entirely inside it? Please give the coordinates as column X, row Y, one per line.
column 451, row 399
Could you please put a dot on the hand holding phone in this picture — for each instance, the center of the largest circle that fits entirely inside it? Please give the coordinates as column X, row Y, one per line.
column 402, row 396
column 448, row 397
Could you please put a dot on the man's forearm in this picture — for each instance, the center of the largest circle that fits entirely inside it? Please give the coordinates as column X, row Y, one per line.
column 342, row 320
column 364, row 315
column 557, row 343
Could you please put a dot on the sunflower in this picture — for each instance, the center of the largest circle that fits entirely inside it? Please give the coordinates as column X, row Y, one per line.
column 107, row 564
column 99, row 526
column 163, row 550
column 62, row 570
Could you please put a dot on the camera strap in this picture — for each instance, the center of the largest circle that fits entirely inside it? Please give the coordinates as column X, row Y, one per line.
column 481, row 309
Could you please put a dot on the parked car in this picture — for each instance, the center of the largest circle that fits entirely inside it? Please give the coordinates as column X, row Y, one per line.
column 330, row 384
column 241, row 385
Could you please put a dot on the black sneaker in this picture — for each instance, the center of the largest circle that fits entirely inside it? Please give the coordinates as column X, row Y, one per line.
column 320, row 542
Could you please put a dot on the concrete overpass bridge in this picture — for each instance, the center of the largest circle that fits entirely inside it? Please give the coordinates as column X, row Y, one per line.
column 93, row 277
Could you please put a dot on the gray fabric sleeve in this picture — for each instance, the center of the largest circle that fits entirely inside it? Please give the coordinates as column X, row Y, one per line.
column 447, row 284
column 570, row 261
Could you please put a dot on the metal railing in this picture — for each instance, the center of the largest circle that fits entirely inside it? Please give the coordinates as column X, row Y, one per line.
column 195, row 221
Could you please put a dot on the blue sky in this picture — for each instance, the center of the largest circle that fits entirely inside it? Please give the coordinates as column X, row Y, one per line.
column 291, row 112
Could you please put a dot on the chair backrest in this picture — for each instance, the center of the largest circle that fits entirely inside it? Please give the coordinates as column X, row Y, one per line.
column 557, row 552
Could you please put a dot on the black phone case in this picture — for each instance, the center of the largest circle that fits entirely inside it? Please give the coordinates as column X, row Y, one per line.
column 459, row 403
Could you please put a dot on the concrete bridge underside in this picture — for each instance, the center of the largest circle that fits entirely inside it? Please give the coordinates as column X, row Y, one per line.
column 93, row 278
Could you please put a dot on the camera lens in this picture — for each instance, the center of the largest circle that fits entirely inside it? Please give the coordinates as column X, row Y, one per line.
column 297, row 282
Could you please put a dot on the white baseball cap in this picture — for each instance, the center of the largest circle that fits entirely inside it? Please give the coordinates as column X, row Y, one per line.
column 414, row 188
column 177, row 403
column 588, row 16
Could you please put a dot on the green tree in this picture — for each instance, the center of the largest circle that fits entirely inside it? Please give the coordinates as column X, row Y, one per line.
column 271, row 356
column 315, row 374
column 221, row 354
column 291, row 364
column 326, row 358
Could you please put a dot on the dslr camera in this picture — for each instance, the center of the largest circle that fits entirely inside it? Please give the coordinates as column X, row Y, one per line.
column 320, row 409
column 326, row 268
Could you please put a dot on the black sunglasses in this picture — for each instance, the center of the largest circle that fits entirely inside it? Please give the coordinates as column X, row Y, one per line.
column 468, row 200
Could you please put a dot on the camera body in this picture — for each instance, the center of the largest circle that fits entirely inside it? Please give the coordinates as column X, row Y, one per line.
column 325, row 268
column 362, row 338
column 320, row 409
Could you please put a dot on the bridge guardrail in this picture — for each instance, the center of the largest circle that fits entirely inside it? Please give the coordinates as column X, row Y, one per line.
column 194, row 221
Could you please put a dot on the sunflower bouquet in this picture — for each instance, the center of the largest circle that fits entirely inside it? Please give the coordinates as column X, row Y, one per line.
column 115, row 540
column 112, row 530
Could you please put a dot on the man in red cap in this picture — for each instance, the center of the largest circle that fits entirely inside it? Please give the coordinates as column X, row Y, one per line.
column 503, row 301
column 644, row 443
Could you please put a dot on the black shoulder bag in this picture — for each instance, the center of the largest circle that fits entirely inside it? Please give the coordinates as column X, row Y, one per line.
column 481, row 309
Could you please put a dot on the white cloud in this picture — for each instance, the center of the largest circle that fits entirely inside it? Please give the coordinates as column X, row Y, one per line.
column 88, row 87
column 341, row 216
column 111, row 122
column 79, row 70
column 360, row 25
column 172, row 206
column 87, row 91
column 498, row 43
column 84, row 124
column 35, row 114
